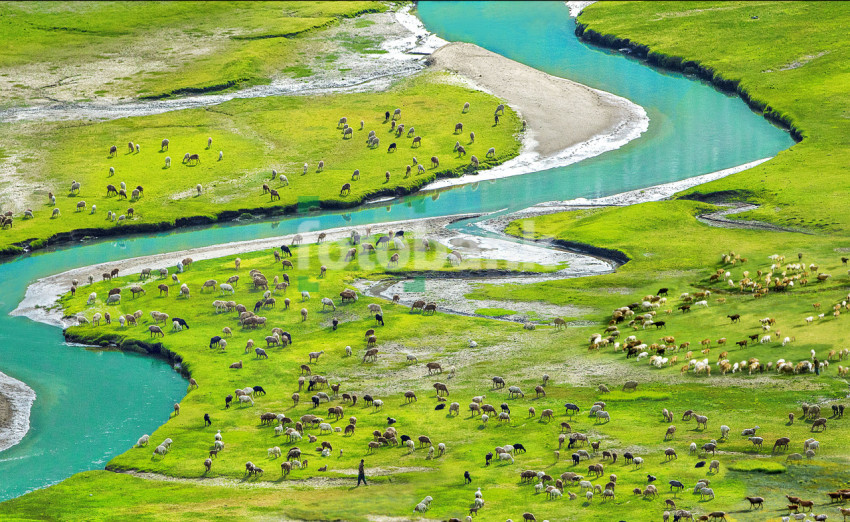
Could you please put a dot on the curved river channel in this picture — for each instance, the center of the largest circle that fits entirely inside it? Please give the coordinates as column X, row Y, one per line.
column 693, row 130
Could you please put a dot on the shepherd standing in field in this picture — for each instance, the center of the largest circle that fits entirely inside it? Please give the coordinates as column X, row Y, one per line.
column 361, row 474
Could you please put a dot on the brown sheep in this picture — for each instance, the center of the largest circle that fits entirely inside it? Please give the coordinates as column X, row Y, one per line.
column 162, row 288
column 440, row 387
column 434, row 367
column 435, row 162
column 410, row 396
column 346, row 189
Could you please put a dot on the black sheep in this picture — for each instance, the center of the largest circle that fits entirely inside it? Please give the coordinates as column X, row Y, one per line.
column 182, row 322
column 227, row 401
column 700, row 464
column 207, row 421
column 400, row 233
column 315, row 399
column 379, row 319
column 286, row 277
column 576, row 458
column 571, row 408
column 259, row 389
column 392, row 147
column 518, row 448
column 440, row 406
column 466, row 478
column 487, row 458
column 676, row 484
column 391, row 421
column 506, row 408
column 285, row 249
column 405, row 438
column 215, row 340
column 258, row 305
column 289, row 337
column 651, row 478
column 335, row 323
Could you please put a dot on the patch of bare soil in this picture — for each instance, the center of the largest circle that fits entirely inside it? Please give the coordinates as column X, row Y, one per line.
column 291, row 480
column 720, row 219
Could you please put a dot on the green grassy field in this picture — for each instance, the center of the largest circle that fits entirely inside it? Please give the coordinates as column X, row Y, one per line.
column 667, row 246
column 255, row 136
column 198, row 47
column 790, row 58
column 636, row 423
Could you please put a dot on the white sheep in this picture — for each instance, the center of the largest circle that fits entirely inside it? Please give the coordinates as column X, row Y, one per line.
column 305, row 296
column 244, row 399
column 220, row 155
column 225, row 288
column 378, row 403
column 703, row 303
column 638, row 462
column 484, row 419
column 160, row 450
column 167, row 161
column 92, row 298
column 765, row 339
column 143, row 440
column 506, row 456
column 284, row 180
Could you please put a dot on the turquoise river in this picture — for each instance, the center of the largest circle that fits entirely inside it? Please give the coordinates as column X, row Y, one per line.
column 93, row 405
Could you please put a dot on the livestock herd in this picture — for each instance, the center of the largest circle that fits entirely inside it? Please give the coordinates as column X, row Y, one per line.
column 124, row 192
column 583, row 438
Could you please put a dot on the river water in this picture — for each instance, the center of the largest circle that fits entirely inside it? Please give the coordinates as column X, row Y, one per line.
column 93, row 405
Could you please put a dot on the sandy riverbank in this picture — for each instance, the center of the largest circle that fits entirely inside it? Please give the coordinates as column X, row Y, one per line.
column 16, row 400
column 39, row 303
column 566, row 121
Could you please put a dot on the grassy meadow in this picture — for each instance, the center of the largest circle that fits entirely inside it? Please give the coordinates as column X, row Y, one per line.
column 399, row 478
column 790, row 59
column 788, row 56
column 154, row 49
column 255, row 136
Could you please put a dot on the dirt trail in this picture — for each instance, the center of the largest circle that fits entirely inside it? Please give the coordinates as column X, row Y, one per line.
column 278, row 483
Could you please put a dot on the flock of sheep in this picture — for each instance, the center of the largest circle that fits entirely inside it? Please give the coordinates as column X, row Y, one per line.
column 191, row 159
column 667, row 351
column 579, row 446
